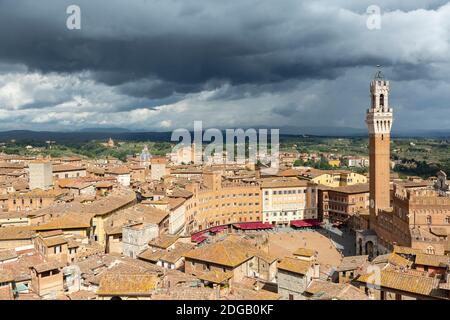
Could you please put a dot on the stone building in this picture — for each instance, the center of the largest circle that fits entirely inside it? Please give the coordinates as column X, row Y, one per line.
column 47, row 280
column 219, row 201
column 65, row 171
column 288, row 199
column 40, row 175
column 294, row 276
column 332, row 178
column 343, row 203
column 158, row 168
column 33, row 200
column 232, row 259
column 135, row 237
column 52, row 245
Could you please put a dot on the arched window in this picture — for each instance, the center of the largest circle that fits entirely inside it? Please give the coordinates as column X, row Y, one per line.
column 381, row 100
column 429, row 219
column 430, row 250
column 447, row 219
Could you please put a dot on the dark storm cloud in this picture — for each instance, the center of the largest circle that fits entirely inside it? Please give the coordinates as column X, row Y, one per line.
column 250, row 48
column 292, row 61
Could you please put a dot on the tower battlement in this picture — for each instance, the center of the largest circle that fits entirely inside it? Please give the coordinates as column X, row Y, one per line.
column 379, row 116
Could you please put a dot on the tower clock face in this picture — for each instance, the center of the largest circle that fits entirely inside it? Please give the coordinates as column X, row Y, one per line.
column 372, row 203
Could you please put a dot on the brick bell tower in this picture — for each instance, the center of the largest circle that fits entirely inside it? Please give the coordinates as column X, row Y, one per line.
column 379, row 122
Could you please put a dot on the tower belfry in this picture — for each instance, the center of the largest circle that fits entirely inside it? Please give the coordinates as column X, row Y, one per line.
column 379, row 122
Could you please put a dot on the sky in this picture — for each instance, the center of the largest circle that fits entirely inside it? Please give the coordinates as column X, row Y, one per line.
column 159, row 65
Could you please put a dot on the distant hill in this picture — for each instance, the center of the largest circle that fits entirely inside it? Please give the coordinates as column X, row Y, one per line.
column 80, row 136
column 106, row 130
column 86, row 135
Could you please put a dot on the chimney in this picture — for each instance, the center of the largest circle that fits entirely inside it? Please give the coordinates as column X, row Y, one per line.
column 316, row 270
column 217, row 291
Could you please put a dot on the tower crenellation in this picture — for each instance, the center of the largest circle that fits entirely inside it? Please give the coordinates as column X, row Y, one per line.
column 379, row 115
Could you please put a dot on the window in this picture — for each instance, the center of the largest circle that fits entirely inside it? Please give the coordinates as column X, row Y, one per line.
column 429, row 220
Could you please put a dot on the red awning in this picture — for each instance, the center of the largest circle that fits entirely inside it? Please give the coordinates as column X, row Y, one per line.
column 217, row 229
column 307, row 223
column 200, row 239
column 253, row 225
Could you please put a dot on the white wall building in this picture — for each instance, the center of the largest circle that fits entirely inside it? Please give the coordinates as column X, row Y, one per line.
column 286, row 199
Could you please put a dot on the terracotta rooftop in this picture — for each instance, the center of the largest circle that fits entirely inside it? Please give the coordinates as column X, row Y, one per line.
column 7, row 254
column 180, row 193
column 164, row 241
column 289, row 173
column 118, row 170
column 54, row 241
column 352, row 189
column 175, row 254
column 283, row 183
column 66, row 168
column 352, row 263
column 151, row 255
column 149, row 213
column 392, row 258
column 46, row 266
column 303, row 252
column 421, row 285
column 294, row 265
column 325, row 290
column 5, row 276
column 406, row 250
column 82, row 295
column 67, row 221
column 116, row 284
column 104, row 206
column 228, row 252
column 6, row 293
column 215, row 276
column 16, row 233
column 175, row 203
column 38, row 193
column 432, row 260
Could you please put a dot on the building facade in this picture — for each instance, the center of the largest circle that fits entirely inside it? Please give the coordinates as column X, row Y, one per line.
column 217, row 201
column 286, row 199
column 40, row 175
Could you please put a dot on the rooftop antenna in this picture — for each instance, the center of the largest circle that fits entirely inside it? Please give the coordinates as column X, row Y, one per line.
column 379, row 75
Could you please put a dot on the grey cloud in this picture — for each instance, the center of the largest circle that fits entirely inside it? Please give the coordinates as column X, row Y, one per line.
column 312, row 59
